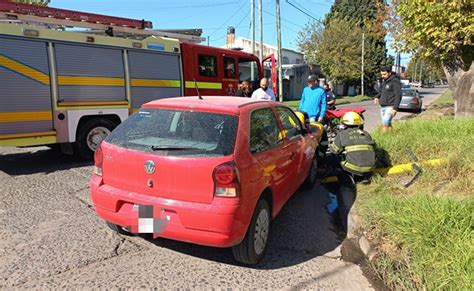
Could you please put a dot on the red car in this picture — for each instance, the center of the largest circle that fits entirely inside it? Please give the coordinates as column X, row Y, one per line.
column 213, row 171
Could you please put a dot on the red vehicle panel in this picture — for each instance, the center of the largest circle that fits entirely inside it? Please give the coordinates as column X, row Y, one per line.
column 216, row 71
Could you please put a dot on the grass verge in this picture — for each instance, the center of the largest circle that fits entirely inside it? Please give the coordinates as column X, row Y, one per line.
column 424, row 233
column 339, row 100
column 446, row 98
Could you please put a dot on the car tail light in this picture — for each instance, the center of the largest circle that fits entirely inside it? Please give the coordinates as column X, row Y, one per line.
column 226, row 180
column 98, row 159
column 414, row 100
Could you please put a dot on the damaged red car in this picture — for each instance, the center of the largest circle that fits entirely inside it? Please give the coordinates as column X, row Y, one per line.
column 213, row 171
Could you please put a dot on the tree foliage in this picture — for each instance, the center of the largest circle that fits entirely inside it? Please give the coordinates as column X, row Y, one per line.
column 425, row 71
column 336, row 46
column 36, row 2
column 442, row 30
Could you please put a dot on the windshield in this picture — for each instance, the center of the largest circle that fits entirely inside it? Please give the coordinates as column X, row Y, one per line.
column 411, row 93
column 177, row 133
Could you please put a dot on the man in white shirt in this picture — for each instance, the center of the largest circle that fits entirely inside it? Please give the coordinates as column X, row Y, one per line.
column 264, row 93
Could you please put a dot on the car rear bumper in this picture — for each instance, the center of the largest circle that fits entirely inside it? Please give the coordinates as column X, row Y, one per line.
column 409, row 106
column 216, row 224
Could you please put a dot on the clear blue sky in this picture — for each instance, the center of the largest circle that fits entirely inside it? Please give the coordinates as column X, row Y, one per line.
column 213, row 16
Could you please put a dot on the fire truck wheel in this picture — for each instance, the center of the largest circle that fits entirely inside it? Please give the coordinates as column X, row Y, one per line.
column 90, row 135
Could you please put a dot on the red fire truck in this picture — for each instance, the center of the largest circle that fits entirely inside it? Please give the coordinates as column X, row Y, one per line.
column 73, row 88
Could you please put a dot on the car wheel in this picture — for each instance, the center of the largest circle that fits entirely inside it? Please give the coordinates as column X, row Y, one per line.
column 252, row 248
column 118, row 229
column 90, row 135
column 312, row 174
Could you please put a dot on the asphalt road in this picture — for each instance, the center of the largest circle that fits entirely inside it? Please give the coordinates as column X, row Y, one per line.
column 52, row 238
column 372, row 114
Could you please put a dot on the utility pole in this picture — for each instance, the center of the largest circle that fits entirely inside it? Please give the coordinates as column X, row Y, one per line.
column 260, row 18
column 280, row 59
column 252, row 28
column 414, row 77
column 362, row 67
column 421, row 72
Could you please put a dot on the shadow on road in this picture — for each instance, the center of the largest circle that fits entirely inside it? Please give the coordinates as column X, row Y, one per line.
column 41, row 161
column 302, row 231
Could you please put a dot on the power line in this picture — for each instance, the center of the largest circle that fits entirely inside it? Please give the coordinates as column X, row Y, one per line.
column 225, row 23
column 286, row 20
column 302, row 10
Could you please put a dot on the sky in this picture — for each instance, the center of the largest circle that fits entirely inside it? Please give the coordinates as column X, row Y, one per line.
column 213, row 16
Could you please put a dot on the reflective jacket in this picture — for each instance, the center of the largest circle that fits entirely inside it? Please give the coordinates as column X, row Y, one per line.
column 358, row 150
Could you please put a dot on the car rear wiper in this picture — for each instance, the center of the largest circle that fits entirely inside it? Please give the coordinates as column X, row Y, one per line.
column 172, row 148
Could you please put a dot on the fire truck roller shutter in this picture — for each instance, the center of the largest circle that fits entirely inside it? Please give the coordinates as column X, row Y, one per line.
column 90, row 74
column 154, row 75
column 25, row 92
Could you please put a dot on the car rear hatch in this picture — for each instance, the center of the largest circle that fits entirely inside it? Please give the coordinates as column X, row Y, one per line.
column 169, row 153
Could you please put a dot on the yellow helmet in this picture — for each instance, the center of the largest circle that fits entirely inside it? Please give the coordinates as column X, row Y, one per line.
column 352, row 118
column 300, row 116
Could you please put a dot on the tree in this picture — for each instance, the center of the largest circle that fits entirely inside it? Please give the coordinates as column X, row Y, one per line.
column 336, row 48
column 36, row 2
column 370, row 16
column 443, row 32
column 425, row 71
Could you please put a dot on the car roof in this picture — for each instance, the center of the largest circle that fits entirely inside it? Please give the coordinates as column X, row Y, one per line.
column 217, row 104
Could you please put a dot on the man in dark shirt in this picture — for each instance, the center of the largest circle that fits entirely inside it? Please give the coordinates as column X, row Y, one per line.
column 389, row 97
column 244, row 90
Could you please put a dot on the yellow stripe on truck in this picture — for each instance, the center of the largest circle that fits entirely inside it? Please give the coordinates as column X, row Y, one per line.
column 90, row 81
column 25, row 116
column 203, row 85
column 24, row 70
column 155, row 83
column 28, row 139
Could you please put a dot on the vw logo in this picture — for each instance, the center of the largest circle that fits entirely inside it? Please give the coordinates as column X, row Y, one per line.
column 150, row 167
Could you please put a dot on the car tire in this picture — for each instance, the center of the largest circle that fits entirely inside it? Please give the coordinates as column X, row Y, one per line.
column 249, row 251
column 90, row 134
column 312, row 174
column 118, row 229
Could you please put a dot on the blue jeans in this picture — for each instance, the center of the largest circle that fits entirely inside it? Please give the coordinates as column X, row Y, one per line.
column 386, row 114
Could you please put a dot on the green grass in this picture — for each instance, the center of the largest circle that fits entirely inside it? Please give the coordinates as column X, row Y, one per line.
column 424, row 233
column 339, row 101
column 446, row 98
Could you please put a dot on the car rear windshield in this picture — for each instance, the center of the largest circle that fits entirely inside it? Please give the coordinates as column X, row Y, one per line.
column 410, row 93
column 177, row 133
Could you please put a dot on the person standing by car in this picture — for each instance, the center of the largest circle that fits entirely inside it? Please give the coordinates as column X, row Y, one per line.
column 389, row 97
column 313, row 100
column 264, row 92
column 244, row 89
column 330, row 97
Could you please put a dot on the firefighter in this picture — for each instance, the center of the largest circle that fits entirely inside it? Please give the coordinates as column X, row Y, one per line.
column 356, row 147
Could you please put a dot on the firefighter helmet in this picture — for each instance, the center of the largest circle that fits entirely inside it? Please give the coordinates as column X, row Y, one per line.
column 352, row 118
column 301, row 116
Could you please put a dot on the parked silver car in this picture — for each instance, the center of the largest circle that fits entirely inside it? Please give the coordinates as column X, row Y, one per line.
column 411, row 100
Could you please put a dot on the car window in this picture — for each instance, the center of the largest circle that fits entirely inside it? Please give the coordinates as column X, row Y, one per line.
column 229, row 68
column 177, row 133
column 263, row 130
column 207, row 66
column 408, row 93
column 291, row 125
